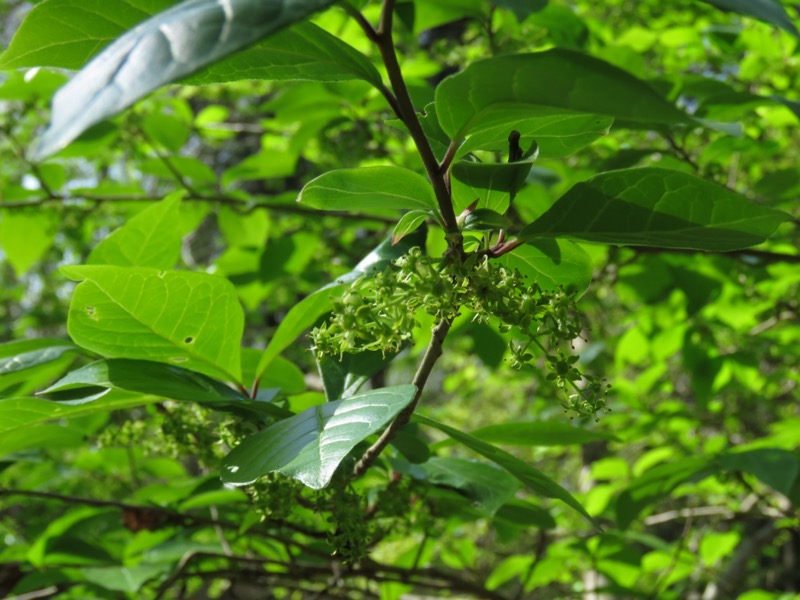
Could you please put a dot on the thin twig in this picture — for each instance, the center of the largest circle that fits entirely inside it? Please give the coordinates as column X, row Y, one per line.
column 432, row 354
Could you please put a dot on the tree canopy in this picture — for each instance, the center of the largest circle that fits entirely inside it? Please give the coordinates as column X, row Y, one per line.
column 399, row 298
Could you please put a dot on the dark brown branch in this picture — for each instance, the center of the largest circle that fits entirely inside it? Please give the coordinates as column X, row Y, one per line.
column 408, row 114
column 432, row 354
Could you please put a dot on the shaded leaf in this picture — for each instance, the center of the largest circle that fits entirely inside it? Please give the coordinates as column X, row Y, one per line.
column 409, row 222
column 552, row 263
column 488, row 487
column 493, row 185
column 530, row 476
column 538, row 433
column 310, row 446
column 168, row 381
column 657, row 207
column 768, row 11
column 165, row 48
column 191, row 319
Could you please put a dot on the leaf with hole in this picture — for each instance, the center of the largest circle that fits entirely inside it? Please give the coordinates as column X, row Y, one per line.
column 310, row 446
column 656, row 207
column 190, row 319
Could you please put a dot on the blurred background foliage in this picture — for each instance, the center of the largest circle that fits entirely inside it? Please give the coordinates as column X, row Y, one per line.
column 694, row 472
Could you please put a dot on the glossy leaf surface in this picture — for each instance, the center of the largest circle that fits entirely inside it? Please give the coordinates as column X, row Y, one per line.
column 310, row 446
column 163, row 49
column 657, row 207
column 768, row 11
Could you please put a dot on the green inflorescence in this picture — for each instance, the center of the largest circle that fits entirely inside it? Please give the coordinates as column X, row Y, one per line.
column 378, row 312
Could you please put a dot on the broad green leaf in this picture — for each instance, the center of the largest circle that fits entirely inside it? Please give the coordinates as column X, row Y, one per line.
column 41, row 436
column 557, row 134
column 25, row 236
column 521, row 8
column 303, row 52
column 149, row 239
column 122, row 579
column 409, row 222
column 369, row 188
column 190, row 319
column 26, row 354
column 556, row 79
column 163, row 49
column 538, row 433
column 488, row 487
column 28, row 365
column 168, row 381
column 22, row 412
column 656, row 207
column 530, row 476
column 310, row 446
column 493, row 185
column 768, row 11
column 304, row 314
column 67, row 33
column 552, row 264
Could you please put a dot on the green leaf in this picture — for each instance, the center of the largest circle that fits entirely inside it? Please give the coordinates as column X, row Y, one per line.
column 538, row 433
column 163, row 380
column 768, row 11
column 343, row 377
column 485, row 219
column 521, row 8
column 66, row 33
column 557, row 134
column 493, row 185
column 26, row 365
column 488, row 487
column 302, row 52
column 776, row 467
column 552, row 264
column 26, row 354
column 369, row 188
column 163, row 49
column 530, row 476
column 193, row 319
column 149, row 239
column 557, row 79
column 25, row 236
column 657, row 207
column 310, row 446
column 304, row 314
column 409, row 222
column 22, row 412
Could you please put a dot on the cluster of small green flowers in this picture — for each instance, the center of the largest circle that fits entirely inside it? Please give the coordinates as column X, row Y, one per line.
column 274, row 496
column 378, row 313
column 351, row 532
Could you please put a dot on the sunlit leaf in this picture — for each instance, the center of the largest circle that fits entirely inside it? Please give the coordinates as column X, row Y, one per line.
column 311, row 445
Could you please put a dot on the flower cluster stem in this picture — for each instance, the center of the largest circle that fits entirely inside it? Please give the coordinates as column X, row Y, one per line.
column 432, row 354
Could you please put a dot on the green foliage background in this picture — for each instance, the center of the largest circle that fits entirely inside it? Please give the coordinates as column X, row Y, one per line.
column 166, row 430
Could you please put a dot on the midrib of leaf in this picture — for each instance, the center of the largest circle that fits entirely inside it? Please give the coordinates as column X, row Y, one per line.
column 199, row 358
